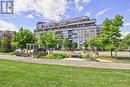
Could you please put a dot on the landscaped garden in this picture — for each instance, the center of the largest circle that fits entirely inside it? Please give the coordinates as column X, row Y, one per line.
column 55, row 56
column 19, row 74
column 27, row 44
column 50, row 46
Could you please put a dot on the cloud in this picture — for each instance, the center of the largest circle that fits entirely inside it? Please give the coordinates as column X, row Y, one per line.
column 79, row 4
column 88, row 13
column 124, row 34
column 86, row 1
column 30, row 16
column 82, row 1
column 102, row 12
column 49, row 9
column 127, row 24
column 76, row 1
column 7, row 26
column 80, row 8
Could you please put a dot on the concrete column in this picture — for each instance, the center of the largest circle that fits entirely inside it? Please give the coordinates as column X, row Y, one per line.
column 27, row 50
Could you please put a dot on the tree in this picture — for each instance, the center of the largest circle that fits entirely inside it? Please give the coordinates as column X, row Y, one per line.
column 5, row 45
column 6, row 41
column 86, row 44
column 8, row 34
column 49, row 40
column 74, row 45
column 110, row 33
column 66, row 43
column 69, row 44
column 93, row 42
column 125, row 42
column 53, row 40
column 22, row 37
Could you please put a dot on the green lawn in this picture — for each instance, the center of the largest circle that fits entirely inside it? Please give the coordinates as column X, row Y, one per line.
column 117, row 59
column 1, row 53
column 18, row 74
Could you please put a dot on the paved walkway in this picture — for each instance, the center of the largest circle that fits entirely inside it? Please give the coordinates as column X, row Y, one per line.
column 68, row 62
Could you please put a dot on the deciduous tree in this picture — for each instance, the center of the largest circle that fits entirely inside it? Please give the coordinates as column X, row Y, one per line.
column 22, row 37
column 49, row 40
column 111, row 33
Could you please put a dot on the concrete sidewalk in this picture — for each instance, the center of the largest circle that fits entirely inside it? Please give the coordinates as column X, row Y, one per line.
column 67, row 62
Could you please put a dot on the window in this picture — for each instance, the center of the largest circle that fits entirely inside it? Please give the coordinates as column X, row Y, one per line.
column 75, row 37
column 7, row 7
column 86, row 35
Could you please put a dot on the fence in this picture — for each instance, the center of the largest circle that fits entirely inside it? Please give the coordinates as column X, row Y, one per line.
column 118, row 54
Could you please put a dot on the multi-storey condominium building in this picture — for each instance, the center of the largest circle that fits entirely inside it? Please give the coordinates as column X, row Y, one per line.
column 5, row 33
column 78, row 29
column 1, row 34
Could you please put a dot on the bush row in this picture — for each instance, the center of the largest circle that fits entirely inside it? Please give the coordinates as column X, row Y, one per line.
column 55, row 56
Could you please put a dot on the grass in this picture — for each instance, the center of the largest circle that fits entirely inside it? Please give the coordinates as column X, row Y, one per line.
column 117, row 59
column 19, row 74
column 10, row 53
column 1, row 53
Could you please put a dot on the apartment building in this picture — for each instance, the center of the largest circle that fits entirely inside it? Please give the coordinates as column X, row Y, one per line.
column 5, row 33
column 77, row 29
column 1, row 34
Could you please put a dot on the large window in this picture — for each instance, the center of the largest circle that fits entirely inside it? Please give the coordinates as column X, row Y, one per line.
column 75, row 37
column 86, row 35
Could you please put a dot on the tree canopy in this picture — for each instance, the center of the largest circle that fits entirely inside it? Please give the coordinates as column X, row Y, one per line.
column 110, row 33
column 49, row 40
column 126, row 41
column 22, row 37
column 69, row 44
column 74, row 45
column 66, row 43
column 5, row 41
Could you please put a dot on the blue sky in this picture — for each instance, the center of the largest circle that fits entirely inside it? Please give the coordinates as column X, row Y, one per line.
column 60, row 9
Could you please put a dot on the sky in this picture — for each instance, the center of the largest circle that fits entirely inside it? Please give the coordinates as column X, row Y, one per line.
column 29, row 12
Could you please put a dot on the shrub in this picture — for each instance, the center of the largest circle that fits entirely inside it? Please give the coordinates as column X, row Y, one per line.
column 5, row 45
column 91, row 56
column 61, row 56
column 76, row 56
column 50, row 56
column 55, row 56
column 13, row 53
